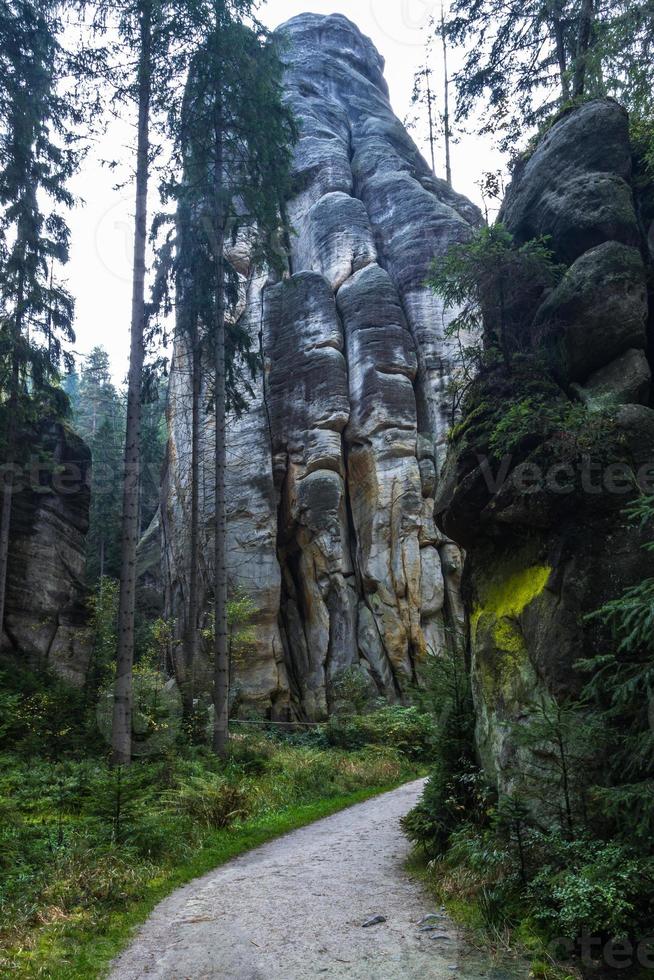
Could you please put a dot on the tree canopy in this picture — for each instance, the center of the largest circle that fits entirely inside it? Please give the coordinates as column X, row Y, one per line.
column 524, row 61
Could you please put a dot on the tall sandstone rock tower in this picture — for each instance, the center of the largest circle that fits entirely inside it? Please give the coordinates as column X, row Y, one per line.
column 333, row 468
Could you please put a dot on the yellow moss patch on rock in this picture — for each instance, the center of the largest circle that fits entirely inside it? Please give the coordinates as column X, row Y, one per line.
column 511, row 594
column 501, row 648
column 509, row 639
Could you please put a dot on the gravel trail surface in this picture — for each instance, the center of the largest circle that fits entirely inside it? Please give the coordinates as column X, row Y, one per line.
column 294, row 909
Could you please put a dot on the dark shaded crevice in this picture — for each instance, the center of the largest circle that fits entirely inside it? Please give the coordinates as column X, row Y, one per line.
column 295, row 688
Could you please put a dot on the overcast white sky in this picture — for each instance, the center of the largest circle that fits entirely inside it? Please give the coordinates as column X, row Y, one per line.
column 100, row 267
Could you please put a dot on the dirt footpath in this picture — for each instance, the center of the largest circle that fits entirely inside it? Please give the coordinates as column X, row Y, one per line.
column 294, row 909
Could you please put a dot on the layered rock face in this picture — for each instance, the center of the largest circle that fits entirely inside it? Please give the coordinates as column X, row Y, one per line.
column 334, row 465
column 545, row 532
column 46, row 617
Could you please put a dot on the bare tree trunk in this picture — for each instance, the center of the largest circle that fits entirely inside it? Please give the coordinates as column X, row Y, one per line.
column 12, row 437
column 191, row 636
column 560, row 52
column 50, row 312
column 122, row 713
column 8, row 485
column 430, row 111
column 446, row 104
column 583, row 47
column 221, row 652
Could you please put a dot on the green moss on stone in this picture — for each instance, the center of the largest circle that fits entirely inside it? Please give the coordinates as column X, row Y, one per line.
column 510, row 594
column 502, row 654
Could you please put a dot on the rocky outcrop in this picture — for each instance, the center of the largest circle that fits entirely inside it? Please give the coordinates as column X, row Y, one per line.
column 333, row 466
column 46, row 616
column 543, row 524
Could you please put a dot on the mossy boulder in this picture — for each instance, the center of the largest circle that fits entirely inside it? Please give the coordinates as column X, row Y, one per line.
column 597, row 312
column 576, row 186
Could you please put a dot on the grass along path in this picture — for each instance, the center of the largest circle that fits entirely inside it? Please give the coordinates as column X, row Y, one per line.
column 295, row 907
column 76, row 952
column 73, row 886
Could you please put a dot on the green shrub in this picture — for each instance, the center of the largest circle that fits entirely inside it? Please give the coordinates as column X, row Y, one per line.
column 41, row 715
column 408, row 730
column 590, row 888
column 251, row 755
column 209, row 801
column 352, row 691
column 80, row 839
column 448, row 799
column 455, row 790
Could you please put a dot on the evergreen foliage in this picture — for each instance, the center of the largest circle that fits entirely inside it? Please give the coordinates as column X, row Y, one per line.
column 234, row 138
column 569, row 851
column 99, row 417
column 424, row 99
column 38, row 155
column 455, row 786
column 621, row 684
column 527, row 61
column 491, row 285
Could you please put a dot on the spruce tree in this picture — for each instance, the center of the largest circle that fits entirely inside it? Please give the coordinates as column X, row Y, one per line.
column 99, row 417
column 424, row 98
column 37, row 158
column 141, row 77
column 137, row 26
column 447, row 118
column 621, row 688
column 96, row 397
column 527, row 60
column 235, row 138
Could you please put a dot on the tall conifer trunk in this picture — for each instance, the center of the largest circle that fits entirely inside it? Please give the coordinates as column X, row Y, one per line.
column 561, row 56
column 123, row 693
column 8, row 485
column 432, row 137
column 446, row 104
column 9, row 481
column 583, row 46
column 221, row 653
column 191, row 636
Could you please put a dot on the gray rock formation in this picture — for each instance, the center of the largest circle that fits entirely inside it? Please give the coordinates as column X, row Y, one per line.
column 626, row 380
column 549, row 543
column 576, row 186
column 46, row 618
column 333, row 467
